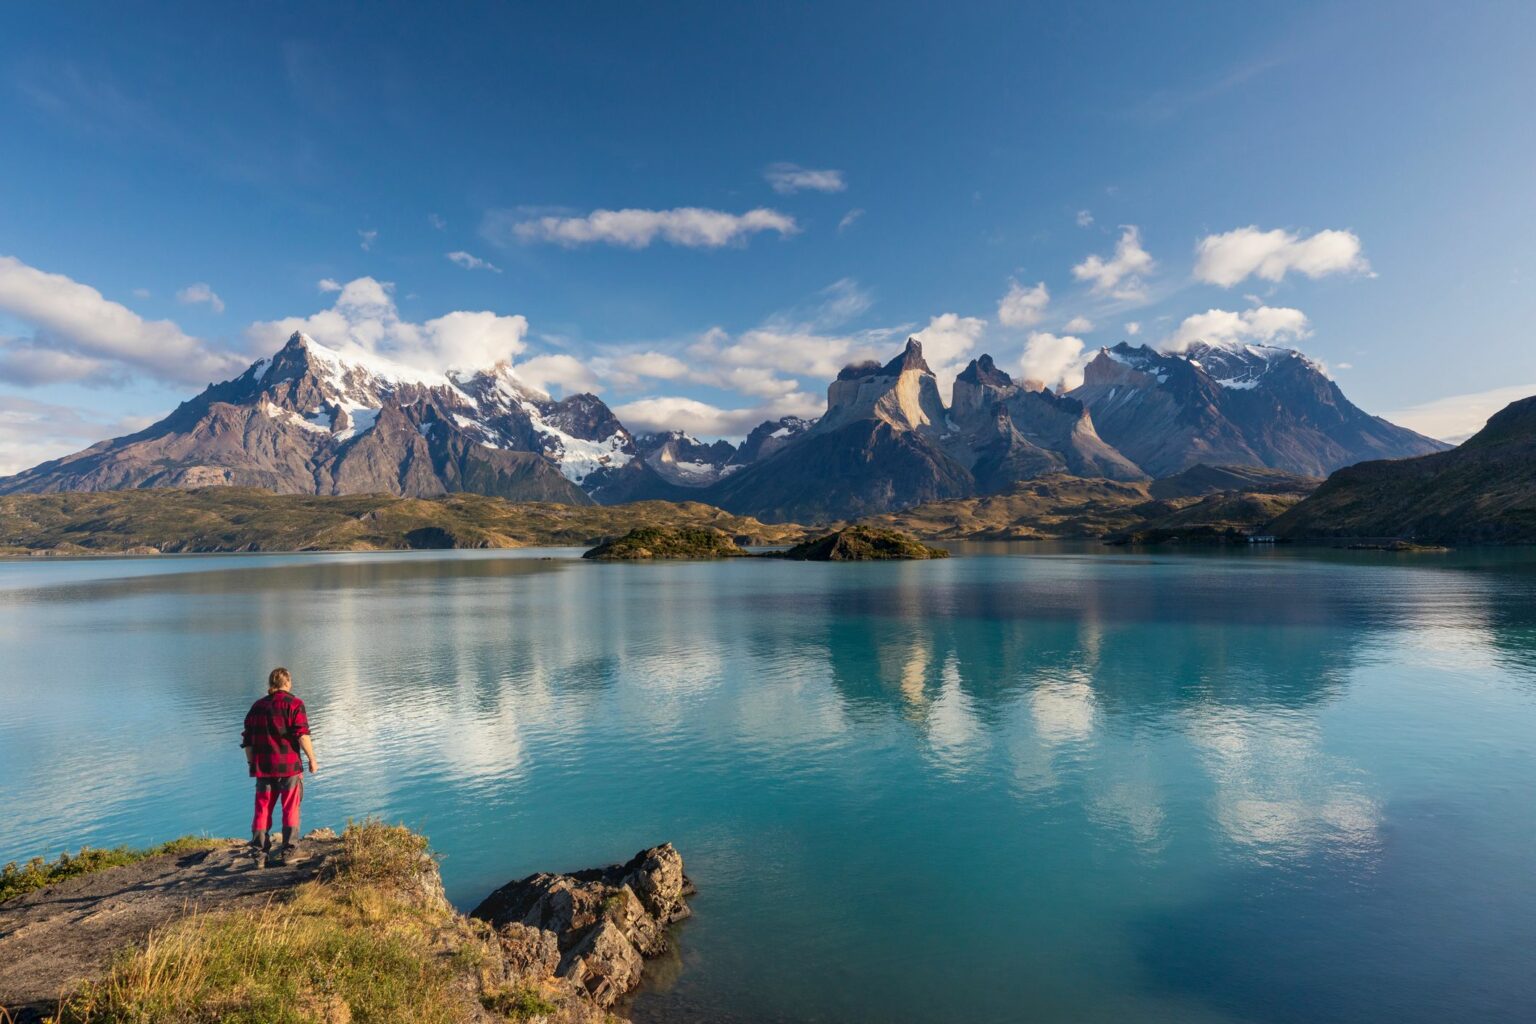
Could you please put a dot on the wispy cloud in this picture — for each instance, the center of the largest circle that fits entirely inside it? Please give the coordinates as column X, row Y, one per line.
column 788, row 179
column 1457, row 417
column 32, row 432
column 689, row 226
column 849, row 219
column 365, row 239
column 471, row 262
column 193, row 294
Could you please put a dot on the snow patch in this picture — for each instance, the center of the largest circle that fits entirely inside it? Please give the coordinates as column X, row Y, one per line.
column 362, row 420
column 578, row 457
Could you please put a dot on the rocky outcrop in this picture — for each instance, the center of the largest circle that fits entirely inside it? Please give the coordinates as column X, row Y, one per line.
column 590, row 931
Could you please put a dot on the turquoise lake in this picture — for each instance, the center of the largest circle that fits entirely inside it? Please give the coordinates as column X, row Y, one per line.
column 1023, row 784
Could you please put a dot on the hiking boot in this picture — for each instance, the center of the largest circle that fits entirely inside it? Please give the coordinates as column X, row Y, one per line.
column 258, row 847
column 284, row 855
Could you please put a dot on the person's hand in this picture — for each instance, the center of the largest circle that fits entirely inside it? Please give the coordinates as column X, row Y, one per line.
column 314, row 766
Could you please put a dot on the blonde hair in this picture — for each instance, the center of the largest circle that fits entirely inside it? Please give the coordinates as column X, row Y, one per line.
column 279, row 679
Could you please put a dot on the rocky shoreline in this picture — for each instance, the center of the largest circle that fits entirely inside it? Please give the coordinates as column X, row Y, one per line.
column 555, row 948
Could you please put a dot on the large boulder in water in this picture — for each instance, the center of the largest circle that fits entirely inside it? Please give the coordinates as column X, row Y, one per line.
column 591, row 929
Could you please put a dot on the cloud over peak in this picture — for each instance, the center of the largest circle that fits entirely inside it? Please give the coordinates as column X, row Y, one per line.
column 364, row 321
column 787, row 179
column 1231, row 257
column 1053, row 361
column 688, row 226
column 1263, row 325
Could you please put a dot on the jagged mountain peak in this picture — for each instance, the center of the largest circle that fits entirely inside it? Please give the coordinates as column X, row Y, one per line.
column 903, row 393
column 983, row 370
column 911, row 358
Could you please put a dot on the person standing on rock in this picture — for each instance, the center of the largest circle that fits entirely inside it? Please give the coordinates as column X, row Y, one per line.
column 276, row 731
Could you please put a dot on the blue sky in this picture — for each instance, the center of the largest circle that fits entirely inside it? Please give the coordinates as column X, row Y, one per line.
column 808, row 183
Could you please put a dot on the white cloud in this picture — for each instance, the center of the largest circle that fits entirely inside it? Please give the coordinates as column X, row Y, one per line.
column 470, row 262
column 1085, row 218
column 1265, row 325
column 141, row 293
column 849, row 219
column 1053, row 361
column 364, row 321
column 1022, row 307
column 436, row 221
column 200, row 292
column 705, row 420
column 788, row 179
column 1078, row 325
column 1457, row 417
column 948, row 341
column 691, row 227
column 655, row 365
column 79, row 335
column 1119, row 276
column 1228, row 258
column 329, row 284
column 1133, row 328
column 1344, row 366
column 568, row 373
column 365, row 239
column 32, row 432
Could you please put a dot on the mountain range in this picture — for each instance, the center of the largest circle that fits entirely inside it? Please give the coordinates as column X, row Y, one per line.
column 310, row 420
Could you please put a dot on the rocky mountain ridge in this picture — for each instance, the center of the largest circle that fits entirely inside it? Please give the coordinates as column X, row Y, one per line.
column 312, row 420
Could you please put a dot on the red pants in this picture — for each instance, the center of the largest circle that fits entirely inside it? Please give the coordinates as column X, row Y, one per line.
column 289, row 790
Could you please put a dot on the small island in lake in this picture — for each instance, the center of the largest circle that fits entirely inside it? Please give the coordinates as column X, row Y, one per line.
column 645, row 543
column 861, row 544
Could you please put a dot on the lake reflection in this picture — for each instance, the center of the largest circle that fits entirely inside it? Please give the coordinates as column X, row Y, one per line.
column 1024, row 783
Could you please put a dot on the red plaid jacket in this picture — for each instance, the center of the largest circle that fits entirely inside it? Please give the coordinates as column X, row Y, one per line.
column 272, row 730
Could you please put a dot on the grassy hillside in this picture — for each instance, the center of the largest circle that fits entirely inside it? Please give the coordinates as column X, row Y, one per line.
column 241, row 519
column 1481, row 493
column 217, row 519
column 1218, row 517
column 1052, row 507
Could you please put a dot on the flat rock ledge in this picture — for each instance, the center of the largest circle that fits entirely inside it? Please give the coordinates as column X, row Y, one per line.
column 590, row 931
